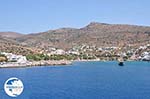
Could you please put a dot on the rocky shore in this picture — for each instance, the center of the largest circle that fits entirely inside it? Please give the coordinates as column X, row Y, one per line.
column 34, row 63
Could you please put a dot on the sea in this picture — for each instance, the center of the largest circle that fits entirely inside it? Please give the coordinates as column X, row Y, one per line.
column 81, row 80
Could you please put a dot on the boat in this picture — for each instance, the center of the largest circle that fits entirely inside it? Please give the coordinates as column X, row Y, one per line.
column 120, row 51
column 121, row 62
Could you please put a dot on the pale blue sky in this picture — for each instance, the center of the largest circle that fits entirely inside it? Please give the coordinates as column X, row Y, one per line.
column 28, row 16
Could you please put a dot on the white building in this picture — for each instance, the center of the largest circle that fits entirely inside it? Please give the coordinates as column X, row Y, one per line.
column 73, row 52
column 58, row 52
column 21, row 59
column 145, row 56
column 15, row 58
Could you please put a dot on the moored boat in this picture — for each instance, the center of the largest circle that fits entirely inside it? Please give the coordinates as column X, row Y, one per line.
column 121, row 62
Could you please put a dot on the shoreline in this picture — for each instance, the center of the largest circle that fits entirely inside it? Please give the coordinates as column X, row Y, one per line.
column 35, row 63
column 50, row 63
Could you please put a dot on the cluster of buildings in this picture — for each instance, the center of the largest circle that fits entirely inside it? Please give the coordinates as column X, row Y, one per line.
column 55, row 51
column 14, row 58
column 102, row 53
column 141, row 53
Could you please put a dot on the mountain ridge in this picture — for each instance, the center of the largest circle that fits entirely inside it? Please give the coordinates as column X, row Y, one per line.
column 95, row 33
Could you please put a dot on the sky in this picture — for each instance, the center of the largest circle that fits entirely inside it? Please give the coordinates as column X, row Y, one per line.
column 32, row 16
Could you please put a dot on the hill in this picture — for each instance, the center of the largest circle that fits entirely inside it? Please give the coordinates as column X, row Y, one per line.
column 12, row 46
column 94, row 34
column 10, row 34
column 98, row 34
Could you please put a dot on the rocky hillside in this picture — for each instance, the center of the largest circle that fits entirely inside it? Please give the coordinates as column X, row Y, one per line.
column 98, row 34
column 12, row 46
column 10, row 34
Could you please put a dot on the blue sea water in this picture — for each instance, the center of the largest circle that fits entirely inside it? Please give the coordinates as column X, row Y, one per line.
column 82, row 80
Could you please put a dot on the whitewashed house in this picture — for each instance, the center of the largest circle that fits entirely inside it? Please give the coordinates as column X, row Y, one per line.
column 21, row 59
column 15, row 58
column 58, row 52
column 145, row 56
column 73, row 52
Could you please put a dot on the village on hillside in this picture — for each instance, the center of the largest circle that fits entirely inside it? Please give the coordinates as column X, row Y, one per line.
column 79, row 53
